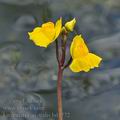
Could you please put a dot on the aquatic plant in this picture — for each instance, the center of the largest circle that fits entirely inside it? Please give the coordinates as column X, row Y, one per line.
column 81, row 58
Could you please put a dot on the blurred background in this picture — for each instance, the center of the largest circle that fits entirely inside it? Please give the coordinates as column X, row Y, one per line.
column 28, row 74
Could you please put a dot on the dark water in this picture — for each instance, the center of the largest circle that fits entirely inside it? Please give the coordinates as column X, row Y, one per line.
column 28, row 73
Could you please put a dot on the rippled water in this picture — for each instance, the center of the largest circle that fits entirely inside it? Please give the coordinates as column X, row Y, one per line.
column 28, row 73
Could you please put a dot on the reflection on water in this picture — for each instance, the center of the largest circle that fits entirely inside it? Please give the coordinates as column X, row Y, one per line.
column 28, row 72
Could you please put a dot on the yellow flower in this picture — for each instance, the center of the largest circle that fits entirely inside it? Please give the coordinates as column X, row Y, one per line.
column 70, row 25
column 83, row 60
column 46, row 34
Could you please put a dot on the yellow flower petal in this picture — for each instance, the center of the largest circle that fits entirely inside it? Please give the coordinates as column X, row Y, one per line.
column 78, row 65
column 78, row 47
column 38, row 37
column 46, row 34
column 48, row 25
column 70, row 25
column 86, row 63
column 93, row 60
column 58, row 27
column 49, row 30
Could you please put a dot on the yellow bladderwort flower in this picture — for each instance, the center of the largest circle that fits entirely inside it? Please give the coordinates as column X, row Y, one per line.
column 83, row 60
column 70, row 25
column 46, row 34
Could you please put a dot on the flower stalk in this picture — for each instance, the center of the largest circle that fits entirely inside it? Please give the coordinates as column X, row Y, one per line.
column 59, row 93
column 61, row 61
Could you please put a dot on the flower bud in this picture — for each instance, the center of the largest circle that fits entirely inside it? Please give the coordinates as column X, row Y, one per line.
column 70, row 25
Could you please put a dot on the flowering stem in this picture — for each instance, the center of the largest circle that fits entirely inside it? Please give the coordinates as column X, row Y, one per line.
column 59, row 84
column 57, row 51
column 61, row 60
column 63, row 47
column 68, row 63
column 59, row 92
